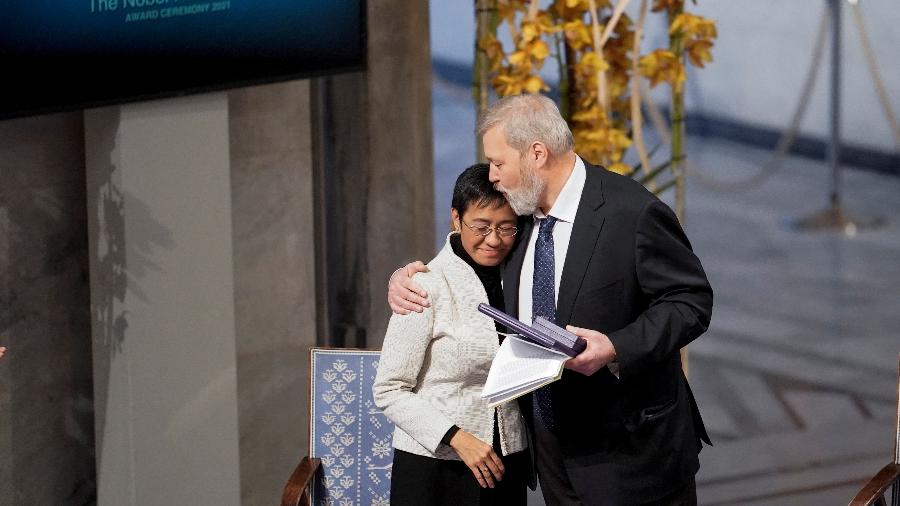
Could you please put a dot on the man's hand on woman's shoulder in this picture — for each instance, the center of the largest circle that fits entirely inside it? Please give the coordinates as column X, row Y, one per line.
column 405, row 296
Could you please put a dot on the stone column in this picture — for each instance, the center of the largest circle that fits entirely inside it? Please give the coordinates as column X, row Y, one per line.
column 375, row 161
column 275, row 280
column 401, row 186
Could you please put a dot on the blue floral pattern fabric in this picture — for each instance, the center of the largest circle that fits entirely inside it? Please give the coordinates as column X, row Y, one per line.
column 347, row 431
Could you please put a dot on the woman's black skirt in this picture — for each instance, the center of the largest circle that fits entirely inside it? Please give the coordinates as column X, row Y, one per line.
column 418, row 480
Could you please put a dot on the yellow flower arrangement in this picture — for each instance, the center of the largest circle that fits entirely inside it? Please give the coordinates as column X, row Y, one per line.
column 594, row 44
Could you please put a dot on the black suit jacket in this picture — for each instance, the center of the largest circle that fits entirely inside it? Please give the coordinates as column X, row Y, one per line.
column 631, row 274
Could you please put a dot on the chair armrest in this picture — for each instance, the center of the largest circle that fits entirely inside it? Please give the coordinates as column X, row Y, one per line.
column 297, row 486
column 876, row 487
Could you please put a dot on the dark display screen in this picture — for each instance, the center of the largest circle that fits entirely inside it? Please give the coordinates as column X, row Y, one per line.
column 66, row 54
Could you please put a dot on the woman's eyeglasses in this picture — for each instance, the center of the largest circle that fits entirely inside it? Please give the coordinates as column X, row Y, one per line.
column 484, row 230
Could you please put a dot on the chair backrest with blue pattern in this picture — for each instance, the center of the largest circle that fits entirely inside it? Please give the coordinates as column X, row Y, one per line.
column 347, row 431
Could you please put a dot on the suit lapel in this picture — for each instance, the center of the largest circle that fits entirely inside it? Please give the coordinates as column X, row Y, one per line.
column 585, row 233
column 513, row 269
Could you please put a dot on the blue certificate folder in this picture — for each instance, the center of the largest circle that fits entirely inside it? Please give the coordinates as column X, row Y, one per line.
column 543, row 332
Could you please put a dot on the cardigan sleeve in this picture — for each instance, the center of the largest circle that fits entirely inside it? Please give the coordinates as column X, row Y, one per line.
column 402, row 356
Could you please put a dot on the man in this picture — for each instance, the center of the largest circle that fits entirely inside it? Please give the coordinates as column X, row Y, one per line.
column 606, row 259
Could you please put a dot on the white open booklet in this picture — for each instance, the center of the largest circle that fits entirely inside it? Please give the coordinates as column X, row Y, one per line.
column 521, row 367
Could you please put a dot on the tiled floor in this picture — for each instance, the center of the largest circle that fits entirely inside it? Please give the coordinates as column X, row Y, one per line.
column 797, row 375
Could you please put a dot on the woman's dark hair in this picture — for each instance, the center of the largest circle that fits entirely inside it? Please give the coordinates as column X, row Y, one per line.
column 474, row 188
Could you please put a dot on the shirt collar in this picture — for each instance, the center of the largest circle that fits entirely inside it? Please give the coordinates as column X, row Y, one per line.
column 566, row 205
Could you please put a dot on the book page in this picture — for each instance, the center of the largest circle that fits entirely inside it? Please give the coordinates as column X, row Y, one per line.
column 520, row 367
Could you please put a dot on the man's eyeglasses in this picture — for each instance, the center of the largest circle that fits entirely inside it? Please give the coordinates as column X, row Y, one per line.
column 484, row 230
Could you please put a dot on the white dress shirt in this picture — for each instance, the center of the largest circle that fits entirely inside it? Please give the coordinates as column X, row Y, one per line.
column 564, row 210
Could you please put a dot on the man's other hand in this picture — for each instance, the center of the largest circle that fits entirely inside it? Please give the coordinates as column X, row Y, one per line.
column 598, row 353
column 404, row 296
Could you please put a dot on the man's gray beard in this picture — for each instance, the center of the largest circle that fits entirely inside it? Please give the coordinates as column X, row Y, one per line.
column 524, row 201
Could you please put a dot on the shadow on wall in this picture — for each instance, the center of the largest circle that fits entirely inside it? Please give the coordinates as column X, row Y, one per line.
column 117, row 265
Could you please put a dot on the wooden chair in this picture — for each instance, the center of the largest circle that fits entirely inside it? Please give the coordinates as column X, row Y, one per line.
column 875, row 492
column 349, row 437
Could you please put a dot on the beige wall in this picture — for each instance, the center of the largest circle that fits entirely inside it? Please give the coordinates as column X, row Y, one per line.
column 159, row 226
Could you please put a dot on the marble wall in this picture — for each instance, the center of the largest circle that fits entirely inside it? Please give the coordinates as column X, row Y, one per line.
column 274, row 275
column 400, row 207
column 46, row 397
column 374, row 154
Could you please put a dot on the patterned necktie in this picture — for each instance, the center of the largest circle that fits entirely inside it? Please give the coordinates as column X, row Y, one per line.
column 543, row 303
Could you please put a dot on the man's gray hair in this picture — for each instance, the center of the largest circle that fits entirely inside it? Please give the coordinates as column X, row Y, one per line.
column 526, row 119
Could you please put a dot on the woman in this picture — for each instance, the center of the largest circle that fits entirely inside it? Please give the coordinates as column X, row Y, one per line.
column 449, row 446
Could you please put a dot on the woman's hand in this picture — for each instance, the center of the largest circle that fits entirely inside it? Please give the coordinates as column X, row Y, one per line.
column 479, row 456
